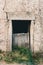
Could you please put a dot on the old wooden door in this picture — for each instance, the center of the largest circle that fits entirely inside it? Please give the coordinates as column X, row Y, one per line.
column 21, row 32
column 21, row 39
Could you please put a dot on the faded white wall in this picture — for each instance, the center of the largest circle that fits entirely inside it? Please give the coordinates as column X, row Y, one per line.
column 19, row 9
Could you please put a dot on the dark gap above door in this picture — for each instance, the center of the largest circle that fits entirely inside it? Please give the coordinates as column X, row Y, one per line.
column 20, row 26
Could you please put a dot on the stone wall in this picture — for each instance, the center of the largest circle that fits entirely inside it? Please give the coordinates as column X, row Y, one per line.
column 41, row 22
column 3, row 28
column 19, row 9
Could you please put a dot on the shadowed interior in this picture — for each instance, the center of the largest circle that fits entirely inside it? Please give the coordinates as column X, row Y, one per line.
column 20, row 26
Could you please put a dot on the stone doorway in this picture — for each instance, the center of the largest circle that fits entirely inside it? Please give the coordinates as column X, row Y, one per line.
column 21, row 32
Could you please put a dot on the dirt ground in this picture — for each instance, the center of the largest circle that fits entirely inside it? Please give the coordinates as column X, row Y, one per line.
column 4, row 63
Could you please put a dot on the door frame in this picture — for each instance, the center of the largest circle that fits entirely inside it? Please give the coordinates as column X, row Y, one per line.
column 31, row 34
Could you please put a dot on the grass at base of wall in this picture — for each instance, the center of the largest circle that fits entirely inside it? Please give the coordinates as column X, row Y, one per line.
column 38, row 57
column 20, row 55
